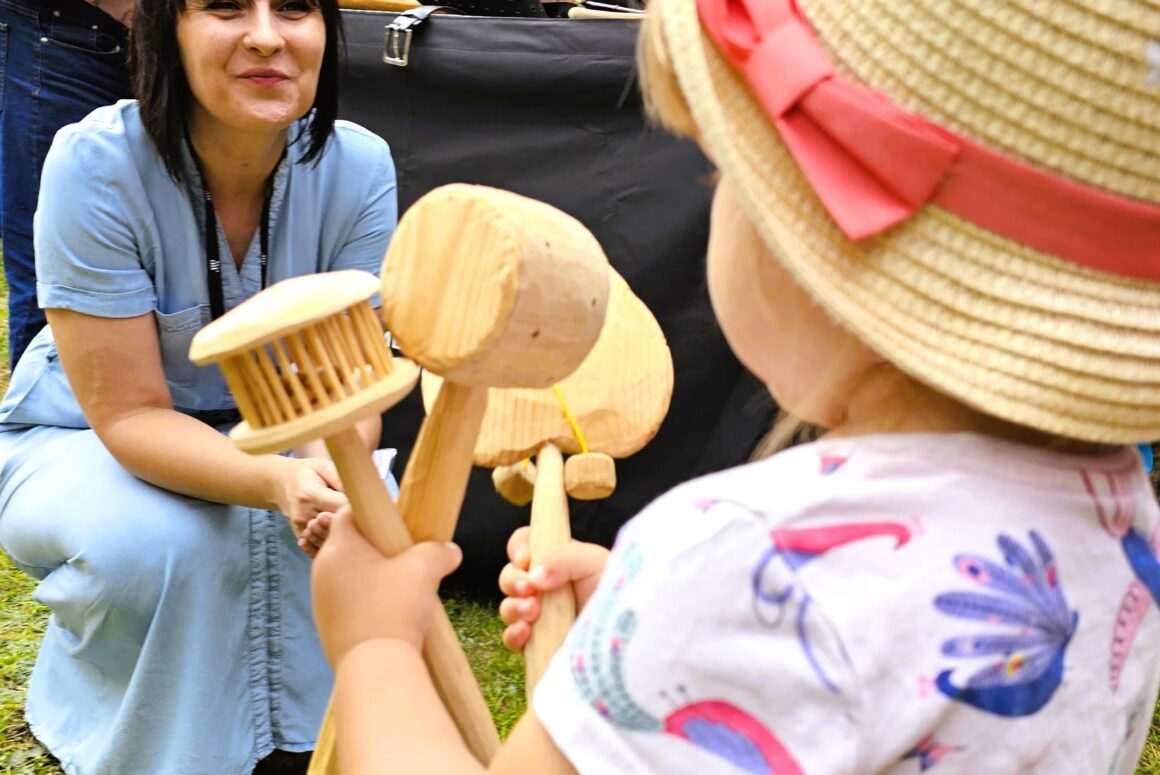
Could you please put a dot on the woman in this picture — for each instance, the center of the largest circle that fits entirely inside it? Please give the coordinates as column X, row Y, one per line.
column 180, row 639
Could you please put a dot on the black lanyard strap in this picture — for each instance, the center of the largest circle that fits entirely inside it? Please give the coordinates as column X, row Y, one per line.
column 213, row 262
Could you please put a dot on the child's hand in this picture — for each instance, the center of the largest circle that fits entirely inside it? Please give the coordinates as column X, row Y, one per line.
column 576, row 563
column 360, row 595
column 315, row 533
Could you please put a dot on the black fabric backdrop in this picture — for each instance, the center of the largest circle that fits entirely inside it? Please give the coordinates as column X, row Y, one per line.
column 549, row 108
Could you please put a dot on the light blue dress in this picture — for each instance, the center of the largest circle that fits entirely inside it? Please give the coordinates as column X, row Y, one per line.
column 181, row 639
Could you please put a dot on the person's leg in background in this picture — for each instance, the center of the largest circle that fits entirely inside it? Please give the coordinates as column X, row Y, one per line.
column 59, row 60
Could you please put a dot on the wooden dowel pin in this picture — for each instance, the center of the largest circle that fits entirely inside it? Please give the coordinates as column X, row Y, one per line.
column 550, row 528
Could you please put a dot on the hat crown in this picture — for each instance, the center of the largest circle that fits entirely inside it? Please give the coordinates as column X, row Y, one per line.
column 1068, row 86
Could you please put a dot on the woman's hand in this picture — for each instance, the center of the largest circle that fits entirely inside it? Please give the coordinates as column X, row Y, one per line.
column 576, row 563
column 360, row 595
column 306, row 488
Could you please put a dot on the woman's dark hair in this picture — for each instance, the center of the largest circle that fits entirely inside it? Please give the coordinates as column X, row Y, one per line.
column 162, row 90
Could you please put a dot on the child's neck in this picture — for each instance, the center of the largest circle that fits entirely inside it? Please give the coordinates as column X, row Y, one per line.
column 885, row 400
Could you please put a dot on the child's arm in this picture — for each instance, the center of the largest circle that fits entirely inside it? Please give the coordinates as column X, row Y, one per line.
column 388, row 716
column 389, row 719
column 577, row 563
column 373, row 613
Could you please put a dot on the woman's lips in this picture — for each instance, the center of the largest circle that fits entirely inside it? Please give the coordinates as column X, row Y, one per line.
column 264, row 80
column 264, row 77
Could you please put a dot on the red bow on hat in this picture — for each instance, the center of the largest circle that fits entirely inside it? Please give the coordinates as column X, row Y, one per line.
column 874, row 165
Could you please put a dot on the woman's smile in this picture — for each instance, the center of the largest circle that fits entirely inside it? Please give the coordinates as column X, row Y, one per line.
column 264, row 77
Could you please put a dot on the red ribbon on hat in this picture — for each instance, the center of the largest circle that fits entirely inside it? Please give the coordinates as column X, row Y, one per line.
column 873, row 165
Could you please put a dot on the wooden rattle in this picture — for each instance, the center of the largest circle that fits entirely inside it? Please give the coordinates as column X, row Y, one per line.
column 611, row 406
column 306, row 358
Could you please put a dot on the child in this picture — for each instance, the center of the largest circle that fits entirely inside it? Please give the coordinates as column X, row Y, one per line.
column 937, row 235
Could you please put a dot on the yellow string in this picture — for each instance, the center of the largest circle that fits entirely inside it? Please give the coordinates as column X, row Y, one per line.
column 571, row 420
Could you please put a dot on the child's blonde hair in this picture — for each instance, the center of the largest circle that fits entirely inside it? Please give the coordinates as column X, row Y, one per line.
column 663, row 101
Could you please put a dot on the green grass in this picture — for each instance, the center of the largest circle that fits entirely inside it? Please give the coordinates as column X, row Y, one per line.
column 500, row 672
column 21, row 623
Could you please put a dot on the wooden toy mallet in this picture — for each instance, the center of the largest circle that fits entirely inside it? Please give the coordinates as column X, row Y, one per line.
column 514, row 296
column 487, row 288
column 307, row 358
column 611, row 406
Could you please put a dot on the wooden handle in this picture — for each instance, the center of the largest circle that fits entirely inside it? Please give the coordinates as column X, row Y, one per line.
column 458, row 689
column 379, row 520
column 580, row 12
column 435, row 481
column 396, row 6
column 324, row 760
column 550, row 528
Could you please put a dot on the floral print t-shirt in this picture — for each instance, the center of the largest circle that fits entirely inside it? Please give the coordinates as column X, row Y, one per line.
column 881, row 604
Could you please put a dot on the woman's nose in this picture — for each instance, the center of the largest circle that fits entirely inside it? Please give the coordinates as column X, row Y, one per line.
column 263, row 36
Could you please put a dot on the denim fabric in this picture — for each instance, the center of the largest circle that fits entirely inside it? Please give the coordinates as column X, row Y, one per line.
column 181, row 640
column 58, row 61
column 116, row 236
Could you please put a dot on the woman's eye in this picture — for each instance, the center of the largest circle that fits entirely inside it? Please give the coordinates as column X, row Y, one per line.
column 223, row 6
column 297, row 7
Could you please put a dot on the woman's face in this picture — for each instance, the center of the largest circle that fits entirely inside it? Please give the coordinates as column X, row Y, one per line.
column 807, row 361
column 252, row 65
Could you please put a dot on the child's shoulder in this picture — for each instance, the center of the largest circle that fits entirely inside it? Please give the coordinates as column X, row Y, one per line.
column 941, row 497
column 896, row 473
column 797, row 483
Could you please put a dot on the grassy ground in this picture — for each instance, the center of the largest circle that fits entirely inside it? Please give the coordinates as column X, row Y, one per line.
column 499, row 672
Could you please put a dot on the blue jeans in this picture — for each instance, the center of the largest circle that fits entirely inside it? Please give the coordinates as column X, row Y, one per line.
column 59, row 60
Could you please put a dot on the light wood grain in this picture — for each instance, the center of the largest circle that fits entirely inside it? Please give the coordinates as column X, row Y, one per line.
column 619, row 395
column 435, row 481
column 485, row 287
column 590, row 476
column 284, row 307
column 549, row 529
column 516, row 483
column 395, row 6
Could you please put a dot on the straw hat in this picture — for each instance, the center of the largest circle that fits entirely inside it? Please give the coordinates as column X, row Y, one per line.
column 1063, row 86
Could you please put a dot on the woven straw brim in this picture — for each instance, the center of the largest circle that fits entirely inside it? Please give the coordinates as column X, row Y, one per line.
column 1015, row 333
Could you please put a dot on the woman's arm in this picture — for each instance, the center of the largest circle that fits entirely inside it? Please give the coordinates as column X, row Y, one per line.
column 114, row 367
